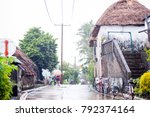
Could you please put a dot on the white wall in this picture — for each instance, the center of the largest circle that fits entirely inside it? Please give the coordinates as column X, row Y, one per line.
column 103, row 33
column 133, row 29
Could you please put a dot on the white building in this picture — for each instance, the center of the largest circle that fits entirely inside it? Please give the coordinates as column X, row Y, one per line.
column 122, row 20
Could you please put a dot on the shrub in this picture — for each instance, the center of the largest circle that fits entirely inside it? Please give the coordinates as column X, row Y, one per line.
column 137, row 87
column 148, row 54
column 65, row 81
column 5, row 82
column 144, row 85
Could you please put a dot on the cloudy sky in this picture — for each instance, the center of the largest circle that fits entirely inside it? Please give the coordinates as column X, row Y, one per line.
column 17, row 16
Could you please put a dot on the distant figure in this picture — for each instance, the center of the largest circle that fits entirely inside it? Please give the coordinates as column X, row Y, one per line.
column 97, row 80
column 57, row 74
column 46, row 74
column 58, row 79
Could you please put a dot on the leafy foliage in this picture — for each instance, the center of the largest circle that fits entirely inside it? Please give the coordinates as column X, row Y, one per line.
column 148, row 54
column 88, row 71
column 91, row 71
column 70, row 73
column 5, row 82
column 137, row 86
column 137, row 45
column 86, row 53
column 41, row 48
column 143, row 85
column 65, row 81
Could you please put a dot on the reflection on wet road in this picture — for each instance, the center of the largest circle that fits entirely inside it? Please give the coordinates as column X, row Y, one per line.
column 67, row 92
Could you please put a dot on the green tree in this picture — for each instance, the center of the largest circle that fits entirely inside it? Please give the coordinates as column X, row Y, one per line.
column 70, row 73
column 86, row 53
column 6, row 68
column 91, row 71
column 41, row 48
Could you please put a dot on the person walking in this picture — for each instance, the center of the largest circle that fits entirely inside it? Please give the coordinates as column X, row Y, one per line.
column 57, row 73
column 58, row 79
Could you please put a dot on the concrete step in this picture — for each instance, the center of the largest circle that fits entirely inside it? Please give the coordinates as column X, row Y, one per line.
column 138, row 65
column 136, row 75
column 132, row 57
column 137, row 71
column 133, row 60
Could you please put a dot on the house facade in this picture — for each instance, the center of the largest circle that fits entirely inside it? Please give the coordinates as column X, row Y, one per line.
column 122, row 21
column 26, row 75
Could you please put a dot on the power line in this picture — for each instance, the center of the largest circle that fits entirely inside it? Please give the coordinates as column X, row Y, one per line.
column 73, row 4
column 62, row 33
column 62, row 28
column 48, row 11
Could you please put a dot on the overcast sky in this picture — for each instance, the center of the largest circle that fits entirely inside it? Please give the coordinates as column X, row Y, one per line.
column 17, row 16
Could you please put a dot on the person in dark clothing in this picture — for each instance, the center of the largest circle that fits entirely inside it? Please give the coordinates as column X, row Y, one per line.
column 58, row 78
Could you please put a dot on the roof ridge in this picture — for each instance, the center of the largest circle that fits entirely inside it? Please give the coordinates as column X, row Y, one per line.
column 123, row 13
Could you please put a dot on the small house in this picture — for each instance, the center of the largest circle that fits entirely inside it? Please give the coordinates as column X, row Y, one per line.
column 25, row 76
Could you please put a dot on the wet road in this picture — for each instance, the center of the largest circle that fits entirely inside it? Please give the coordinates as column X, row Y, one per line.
column 66, row 92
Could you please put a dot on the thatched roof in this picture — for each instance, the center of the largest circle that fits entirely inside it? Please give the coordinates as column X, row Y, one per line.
column 26, row 64
column 124, row 12
column 121, row 13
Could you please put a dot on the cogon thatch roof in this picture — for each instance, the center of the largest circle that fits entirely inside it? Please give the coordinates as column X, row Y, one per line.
column 26, row 64
column 124, row 12
column 121, row 13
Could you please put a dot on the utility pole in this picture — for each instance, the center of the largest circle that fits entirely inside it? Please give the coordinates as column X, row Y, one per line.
column 148, row 27
column 75, row 65
column 62, row 34
column 62, row 26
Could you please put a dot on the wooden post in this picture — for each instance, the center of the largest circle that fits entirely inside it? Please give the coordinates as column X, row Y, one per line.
column 148, row 34
column 148, row 27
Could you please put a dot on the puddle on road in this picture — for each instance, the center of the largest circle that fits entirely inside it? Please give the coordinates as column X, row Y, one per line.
column 70, row 92
column 82, row 92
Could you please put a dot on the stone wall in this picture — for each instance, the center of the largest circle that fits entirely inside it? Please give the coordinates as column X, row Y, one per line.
column 111, row 67
column 113, row 62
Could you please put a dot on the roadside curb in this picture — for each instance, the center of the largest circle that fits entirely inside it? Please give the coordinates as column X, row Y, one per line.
column 27, row 92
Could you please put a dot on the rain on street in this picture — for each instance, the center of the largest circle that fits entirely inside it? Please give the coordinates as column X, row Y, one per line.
column 67, row 92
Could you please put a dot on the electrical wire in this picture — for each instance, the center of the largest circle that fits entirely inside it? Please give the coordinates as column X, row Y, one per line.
column 48, row 12
column 73, row 5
